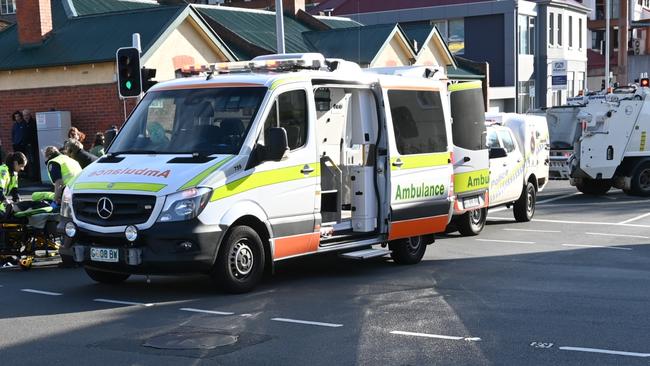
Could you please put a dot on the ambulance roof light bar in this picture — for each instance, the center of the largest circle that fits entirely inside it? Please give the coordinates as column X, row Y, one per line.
column 277, row 63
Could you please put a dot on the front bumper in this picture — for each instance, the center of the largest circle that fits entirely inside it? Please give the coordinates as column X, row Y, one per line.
column 157, row 250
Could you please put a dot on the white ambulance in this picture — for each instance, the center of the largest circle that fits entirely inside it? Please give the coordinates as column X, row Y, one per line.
column 260, row 161
column 519, row 161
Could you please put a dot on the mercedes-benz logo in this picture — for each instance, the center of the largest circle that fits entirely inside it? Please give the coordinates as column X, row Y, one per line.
column 104, row 208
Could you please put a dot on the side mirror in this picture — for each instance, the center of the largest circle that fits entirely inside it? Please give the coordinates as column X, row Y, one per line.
column 497, row 152
column 277, row 144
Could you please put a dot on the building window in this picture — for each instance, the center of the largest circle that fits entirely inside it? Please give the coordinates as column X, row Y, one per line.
column 570, row 31
column 580, row 33
column 559, row 29
column 526, row 35
column 526, row 96
column 456, row 40
column 551, row 28
column 453, row 32
column 7, row 6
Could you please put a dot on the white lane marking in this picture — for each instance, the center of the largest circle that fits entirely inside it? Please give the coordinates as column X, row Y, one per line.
column 507, row 241
column 286, row 320
column 534, row 231
column 620, row 235
column 207, row 311
column 571, row 222
column 595, row 246
column 635, row 218
column 630, row 202
column 41, row 292
column 558, row 198
column 606, row 351
column 119, row 302
column 437, row 336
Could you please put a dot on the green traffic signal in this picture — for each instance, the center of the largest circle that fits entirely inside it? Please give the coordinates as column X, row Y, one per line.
column 128, row 84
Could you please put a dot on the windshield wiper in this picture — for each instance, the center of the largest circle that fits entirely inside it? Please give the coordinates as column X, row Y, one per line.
column 142, row 152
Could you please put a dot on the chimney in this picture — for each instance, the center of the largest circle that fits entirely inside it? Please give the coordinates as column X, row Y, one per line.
column 34, row 20
column 291, row 7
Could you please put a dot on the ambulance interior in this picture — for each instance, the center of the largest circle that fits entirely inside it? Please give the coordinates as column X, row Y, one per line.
column 347, row 130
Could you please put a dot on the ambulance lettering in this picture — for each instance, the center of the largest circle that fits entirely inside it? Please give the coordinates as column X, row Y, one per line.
column 478, row 182
column 145, row 172
column 422, row 191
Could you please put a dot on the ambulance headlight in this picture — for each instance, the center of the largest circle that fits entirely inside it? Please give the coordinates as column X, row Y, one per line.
column 185, row 205
column 66, row 203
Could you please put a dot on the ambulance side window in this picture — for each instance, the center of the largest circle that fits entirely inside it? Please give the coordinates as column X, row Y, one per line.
column 289, row 112
column 418, row 121
column 508, row 143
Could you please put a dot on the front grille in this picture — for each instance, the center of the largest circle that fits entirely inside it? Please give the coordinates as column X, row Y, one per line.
column 128, row 209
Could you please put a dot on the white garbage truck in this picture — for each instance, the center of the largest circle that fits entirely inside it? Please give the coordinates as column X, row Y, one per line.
column 611, row 150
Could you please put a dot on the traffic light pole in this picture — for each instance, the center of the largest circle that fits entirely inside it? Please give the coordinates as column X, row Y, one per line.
column 136, row 43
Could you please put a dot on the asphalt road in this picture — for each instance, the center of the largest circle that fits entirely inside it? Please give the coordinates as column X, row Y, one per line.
column 569, row 288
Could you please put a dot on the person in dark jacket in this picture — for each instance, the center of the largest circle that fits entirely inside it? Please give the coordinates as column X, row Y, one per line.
column 19, row 132
column 32, row 146
column 75, row 149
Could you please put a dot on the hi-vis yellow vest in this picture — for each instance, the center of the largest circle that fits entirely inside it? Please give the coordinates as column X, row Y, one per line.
column 69, row 168
column 8, row 182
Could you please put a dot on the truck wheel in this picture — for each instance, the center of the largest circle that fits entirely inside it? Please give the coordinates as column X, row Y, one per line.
column 106, row 277
column 594, row 187
column 524, row 207
column 408, row 251
column 641, row 180
column 472, row 223
column 240, row 264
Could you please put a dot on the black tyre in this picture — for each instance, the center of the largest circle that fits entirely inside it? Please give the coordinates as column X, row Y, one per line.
column 110, row 278
column 472, row 223
column 641, row 180
column 67, row 261
column 524, row 207
column 408, row 251
column 594, row 187
column 240, row 263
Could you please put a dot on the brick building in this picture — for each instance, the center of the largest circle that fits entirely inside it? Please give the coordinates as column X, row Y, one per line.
column 53, row 58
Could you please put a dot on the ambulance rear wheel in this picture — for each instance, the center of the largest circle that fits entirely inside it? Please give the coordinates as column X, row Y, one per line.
column 641, row 180
column 594, row 187
column 524, row 207
column 408, row 251
column 110, row 278
column 240, row 264
column 472, row 223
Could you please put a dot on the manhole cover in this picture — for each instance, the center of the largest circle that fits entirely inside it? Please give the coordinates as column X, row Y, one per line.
column 191, row 340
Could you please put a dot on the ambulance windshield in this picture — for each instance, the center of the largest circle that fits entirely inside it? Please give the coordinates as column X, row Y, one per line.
column 202, row 121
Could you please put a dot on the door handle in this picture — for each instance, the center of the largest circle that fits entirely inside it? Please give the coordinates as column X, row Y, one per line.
column 505, row 164
column 306, row 169
column 398, row 163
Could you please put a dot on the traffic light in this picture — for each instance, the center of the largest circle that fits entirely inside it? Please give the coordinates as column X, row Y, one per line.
column 147, row 76
column 129, row 79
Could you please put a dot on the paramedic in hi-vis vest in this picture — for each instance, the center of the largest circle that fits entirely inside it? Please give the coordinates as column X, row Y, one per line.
column 62, row 170
column 14, row 164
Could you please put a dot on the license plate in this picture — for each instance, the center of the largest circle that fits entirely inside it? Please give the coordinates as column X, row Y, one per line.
column 104, row 255
column 471, row 202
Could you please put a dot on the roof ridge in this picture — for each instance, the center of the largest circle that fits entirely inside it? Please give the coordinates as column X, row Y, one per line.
column 360, row 27
column 130, row 11
column 232, row 8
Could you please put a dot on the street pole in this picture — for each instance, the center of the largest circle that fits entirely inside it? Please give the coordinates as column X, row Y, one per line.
column 279, row 25
column 607, row 10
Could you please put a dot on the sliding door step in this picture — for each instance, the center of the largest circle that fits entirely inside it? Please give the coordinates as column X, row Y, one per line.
column 366, row 254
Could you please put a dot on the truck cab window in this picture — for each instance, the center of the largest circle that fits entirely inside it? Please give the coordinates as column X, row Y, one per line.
column 289, row 112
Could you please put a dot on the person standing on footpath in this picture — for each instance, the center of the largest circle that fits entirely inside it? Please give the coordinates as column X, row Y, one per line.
column 32, row 146
column 19, row 132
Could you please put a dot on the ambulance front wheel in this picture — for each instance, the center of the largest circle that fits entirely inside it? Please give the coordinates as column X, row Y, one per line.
column 240, row 263
column 472, row 223
column 641, row 180
column 409, row 250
